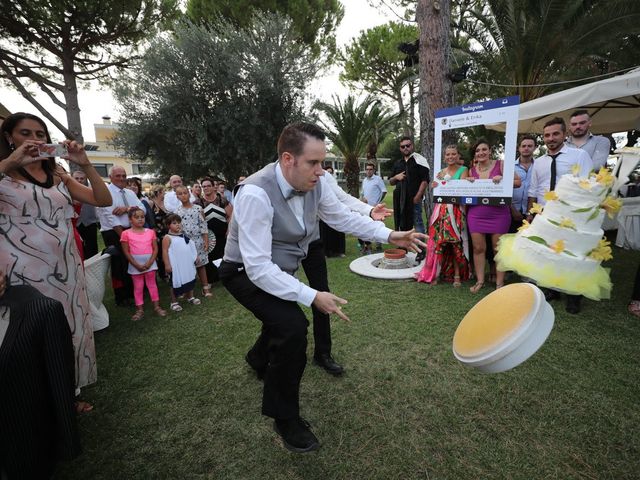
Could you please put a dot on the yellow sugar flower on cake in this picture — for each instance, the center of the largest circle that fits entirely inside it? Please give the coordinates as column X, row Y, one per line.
column 567, row 223
column 536, row 208
column 558, row 246
column 548, row 196
column 604, row 177
column 575, row 170
column 611, row 206
column 524, row 226
column 585, row 184
column 602, row 251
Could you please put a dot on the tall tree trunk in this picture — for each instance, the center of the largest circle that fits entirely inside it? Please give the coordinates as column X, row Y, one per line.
column 436, row 90
column 412, row 109
column 352, row 174
column 72, row 109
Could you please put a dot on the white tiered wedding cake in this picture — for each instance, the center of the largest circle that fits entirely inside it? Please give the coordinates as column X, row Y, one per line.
column 564, row 246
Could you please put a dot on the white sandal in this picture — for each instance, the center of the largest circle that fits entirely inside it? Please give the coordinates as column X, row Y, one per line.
column 194, row 301
column 175, row 306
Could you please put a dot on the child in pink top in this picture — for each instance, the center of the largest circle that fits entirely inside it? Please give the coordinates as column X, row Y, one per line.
column 141, row 249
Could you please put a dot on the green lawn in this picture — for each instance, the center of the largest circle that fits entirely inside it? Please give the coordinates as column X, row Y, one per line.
column 175, row 398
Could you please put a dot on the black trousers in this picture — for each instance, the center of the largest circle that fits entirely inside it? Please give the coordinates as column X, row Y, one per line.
column 89, row 234
column 283, row 341
column 120, row 279
column 315, row 267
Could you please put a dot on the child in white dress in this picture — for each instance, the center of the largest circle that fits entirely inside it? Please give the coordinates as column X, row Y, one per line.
column 195, row 227
column 180, row 256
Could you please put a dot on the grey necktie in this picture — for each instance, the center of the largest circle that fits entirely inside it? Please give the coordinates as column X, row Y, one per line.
column 124, row 198
column 295, row 193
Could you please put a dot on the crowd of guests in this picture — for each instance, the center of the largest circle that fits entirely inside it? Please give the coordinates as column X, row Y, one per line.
column 50, row 221
column 150, row 224
column 451, row 226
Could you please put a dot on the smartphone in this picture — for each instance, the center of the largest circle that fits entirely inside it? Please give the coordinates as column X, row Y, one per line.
column 52, row 150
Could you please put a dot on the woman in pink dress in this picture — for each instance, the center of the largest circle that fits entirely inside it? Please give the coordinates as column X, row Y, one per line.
column 37, row 245
column 486, row 219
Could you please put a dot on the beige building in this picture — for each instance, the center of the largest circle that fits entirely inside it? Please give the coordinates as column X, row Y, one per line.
column 103, row 154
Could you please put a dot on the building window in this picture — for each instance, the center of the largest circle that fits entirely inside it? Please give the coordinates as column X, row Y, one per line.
column 103, row 168
column 137, row 168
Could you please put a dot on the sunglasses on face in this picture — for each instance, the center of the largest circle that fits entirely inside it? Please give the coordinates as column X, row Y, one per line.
column 405, row 146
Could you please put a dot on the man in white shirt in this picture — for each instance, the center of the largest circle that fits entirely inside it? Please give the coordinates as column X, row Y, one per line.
column 559, row 158
column 373, row 191
column 596, row 146
column 113, row 221
column 171, row 202
column 275, row 218
column 547, row 170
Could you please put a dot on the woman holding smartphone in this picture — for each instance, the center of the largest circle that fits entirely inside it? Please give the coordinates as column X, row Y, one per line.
column 37, row 246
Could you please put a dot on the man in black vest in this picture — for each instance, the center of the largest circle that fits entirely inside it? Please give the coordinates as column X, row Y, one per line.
column 275, row 219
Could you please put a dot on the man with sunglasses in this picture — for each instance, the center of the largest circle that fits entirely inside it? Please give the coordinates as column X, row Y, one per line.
column 410, row 180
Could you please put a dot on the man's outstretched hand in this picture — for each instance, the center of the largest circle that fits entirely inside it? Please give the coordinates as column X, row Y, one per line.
column 411, row 240
column 329, row 303
column 380, row 212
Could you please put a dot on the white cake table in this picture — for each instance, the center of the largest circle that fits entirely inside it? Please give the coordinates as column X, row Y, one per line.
column 629, row 224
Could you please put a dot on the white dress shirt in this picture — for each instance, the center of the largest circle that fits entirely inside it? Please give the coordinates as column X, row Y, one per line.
column 349, row 201
column 372, row 189
column 541, row 174
column 107, row 219
column 171, row 202
column 254, row 213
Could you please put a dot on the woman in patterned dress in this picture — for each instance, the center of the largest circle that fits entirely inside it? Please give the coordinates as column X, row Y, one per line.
column 217, row 213
column 195, row 227
column 37, row 246
column 447, row 249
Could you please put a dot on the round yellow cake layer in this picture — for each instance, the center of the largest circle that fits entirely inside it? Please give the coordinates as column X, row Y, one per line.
column 493, row 319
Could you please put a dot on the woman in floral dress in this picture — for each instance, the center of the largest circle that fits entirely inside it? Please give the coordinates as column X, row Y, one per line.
column 447, row 249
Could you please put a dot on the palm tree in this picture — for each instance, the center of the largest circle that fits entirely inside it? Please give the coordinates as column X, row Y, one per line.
column 532, row 43
column 355, row 128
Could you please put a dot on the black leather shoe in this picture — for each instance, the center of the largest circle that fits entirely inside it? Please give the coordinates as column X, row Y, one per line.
column 421, row 256
column 296, row 435
column 329, row 364
column 550, row 294
column 573, row 304
column 259, row 369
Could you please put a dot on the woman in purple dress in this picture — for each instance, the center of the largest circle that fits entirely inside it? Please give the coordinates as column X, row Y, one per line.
column 486, row 219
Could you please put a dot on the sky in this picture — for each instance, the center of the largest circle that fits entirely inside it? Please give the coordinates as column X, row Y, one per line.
column 96, row 102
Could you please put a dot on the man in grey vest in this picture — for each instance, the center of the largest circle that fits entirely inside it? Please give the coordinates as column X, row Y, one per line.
column 275, row 219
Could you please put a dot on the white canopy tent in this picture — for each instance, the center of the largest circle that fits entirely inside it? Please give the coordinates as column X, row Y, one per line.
column 613, row 104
